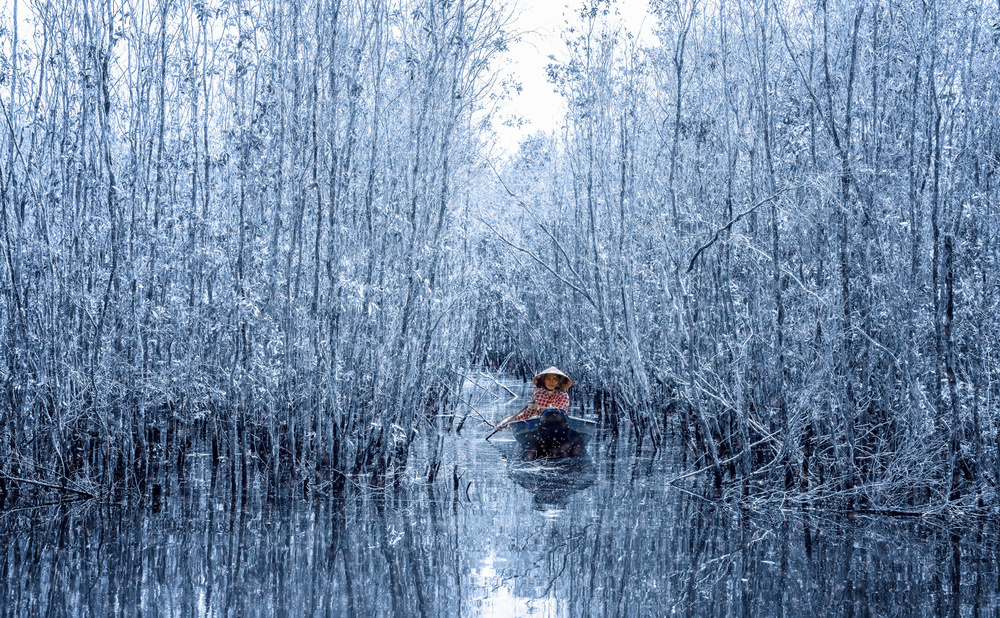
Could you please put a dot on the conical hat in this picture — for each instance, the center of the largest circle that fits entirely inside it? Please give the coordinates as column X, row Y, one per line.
column 539, row 380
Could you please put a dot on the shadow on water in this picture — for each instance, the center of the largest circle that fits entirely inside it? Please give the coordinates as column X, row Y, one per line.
column 601, row 535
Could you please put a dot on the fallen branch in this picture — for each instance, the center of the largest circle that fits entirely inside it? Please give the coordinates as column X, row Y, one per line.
column 541, row 224
column 721, row 463
column 726, row 228
column 44, row 485
column 542, row 263
column 498, row 383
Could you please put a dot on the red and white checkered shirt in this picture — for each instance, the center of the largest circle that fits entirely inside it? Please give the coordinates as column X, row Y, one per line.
column 544, row 400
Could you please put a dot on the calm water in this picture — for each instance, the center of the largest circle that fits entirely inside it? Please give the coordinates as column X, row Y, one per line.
column 601, row 536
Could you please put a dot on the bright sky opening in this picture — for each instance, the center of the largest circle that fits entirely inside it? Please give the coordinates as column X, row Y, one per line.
column 537, row 105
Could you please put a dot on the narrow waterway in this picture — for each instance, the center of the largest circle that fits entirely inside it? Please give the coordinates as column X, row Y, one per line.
column 602, row 535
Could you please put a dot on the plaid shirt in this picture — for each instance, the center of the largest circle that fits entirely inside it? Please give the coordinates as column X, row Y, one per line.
column 544, row 400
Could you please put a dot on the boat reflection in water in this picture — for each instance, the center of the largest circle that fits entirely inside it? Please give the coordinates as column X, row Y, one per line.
column 552, row 481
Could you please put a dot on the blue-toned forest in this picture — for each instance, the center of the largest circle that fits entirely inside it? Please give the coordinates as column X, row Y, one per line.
column 278, row 237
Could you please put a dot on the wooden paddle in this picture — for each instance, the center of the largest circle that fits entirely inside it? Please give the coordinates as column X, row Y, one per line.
column 504, row 422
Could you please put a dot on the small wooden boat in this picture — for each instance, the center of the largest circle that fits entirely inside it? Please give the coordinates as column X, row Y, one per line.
column 554, row 433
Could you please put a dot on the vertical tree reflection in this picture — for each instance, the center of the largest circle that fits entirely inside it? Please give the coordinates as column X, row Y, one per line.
column 628, row 542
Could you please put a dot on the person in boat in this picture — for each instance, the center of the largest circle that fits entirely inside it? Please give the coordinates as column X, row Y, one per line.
column 550, row 393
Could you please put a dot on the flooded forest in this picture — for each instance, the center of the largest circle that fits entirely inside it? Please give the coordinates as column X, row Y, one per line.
column 269, row 277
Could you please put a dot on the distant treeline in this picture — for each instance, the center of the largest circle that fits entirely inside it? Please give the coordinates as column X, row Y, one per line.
column 237, row 216
column 779, row 222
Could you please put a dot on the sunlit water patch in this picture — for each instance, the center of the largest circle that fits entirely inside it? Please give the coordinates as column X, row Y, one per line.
column 491, row 535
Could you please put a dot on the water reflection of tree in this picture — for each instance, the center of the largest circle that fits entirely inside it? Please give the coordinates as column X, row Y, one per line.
column 626, row 545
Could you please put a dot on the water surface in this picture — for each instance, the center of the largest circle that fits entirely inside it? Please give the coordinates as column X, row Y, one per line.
column 605, row 535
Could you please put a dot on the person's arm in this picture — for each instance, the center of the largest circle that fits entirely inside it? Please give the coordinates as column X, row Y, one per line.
column 533, row 402
column 529, row 410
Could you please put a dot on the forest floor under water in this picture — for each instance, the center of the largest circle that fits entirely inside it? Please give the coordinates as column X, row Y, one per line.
column 608, row 534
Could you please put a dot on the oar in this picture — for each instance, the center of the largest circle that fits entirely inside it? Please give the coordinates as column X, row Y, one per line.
column 503, row 423
column 498, row 428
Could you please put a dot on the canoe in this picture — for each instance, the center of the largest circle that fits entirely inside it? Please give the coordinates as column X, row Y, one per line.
column 552, row 430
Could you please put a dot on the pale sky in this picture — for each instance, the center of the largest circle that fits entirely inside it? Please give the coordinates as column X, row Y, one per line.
column 542, row 22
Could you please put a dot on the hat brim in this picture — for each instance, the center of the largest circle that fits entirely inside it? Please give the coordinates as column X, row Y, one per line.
column 539, row 379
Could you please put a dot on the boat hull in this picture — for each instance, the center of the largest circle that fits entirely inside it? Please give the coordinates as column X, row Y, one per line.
column 554, row 432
